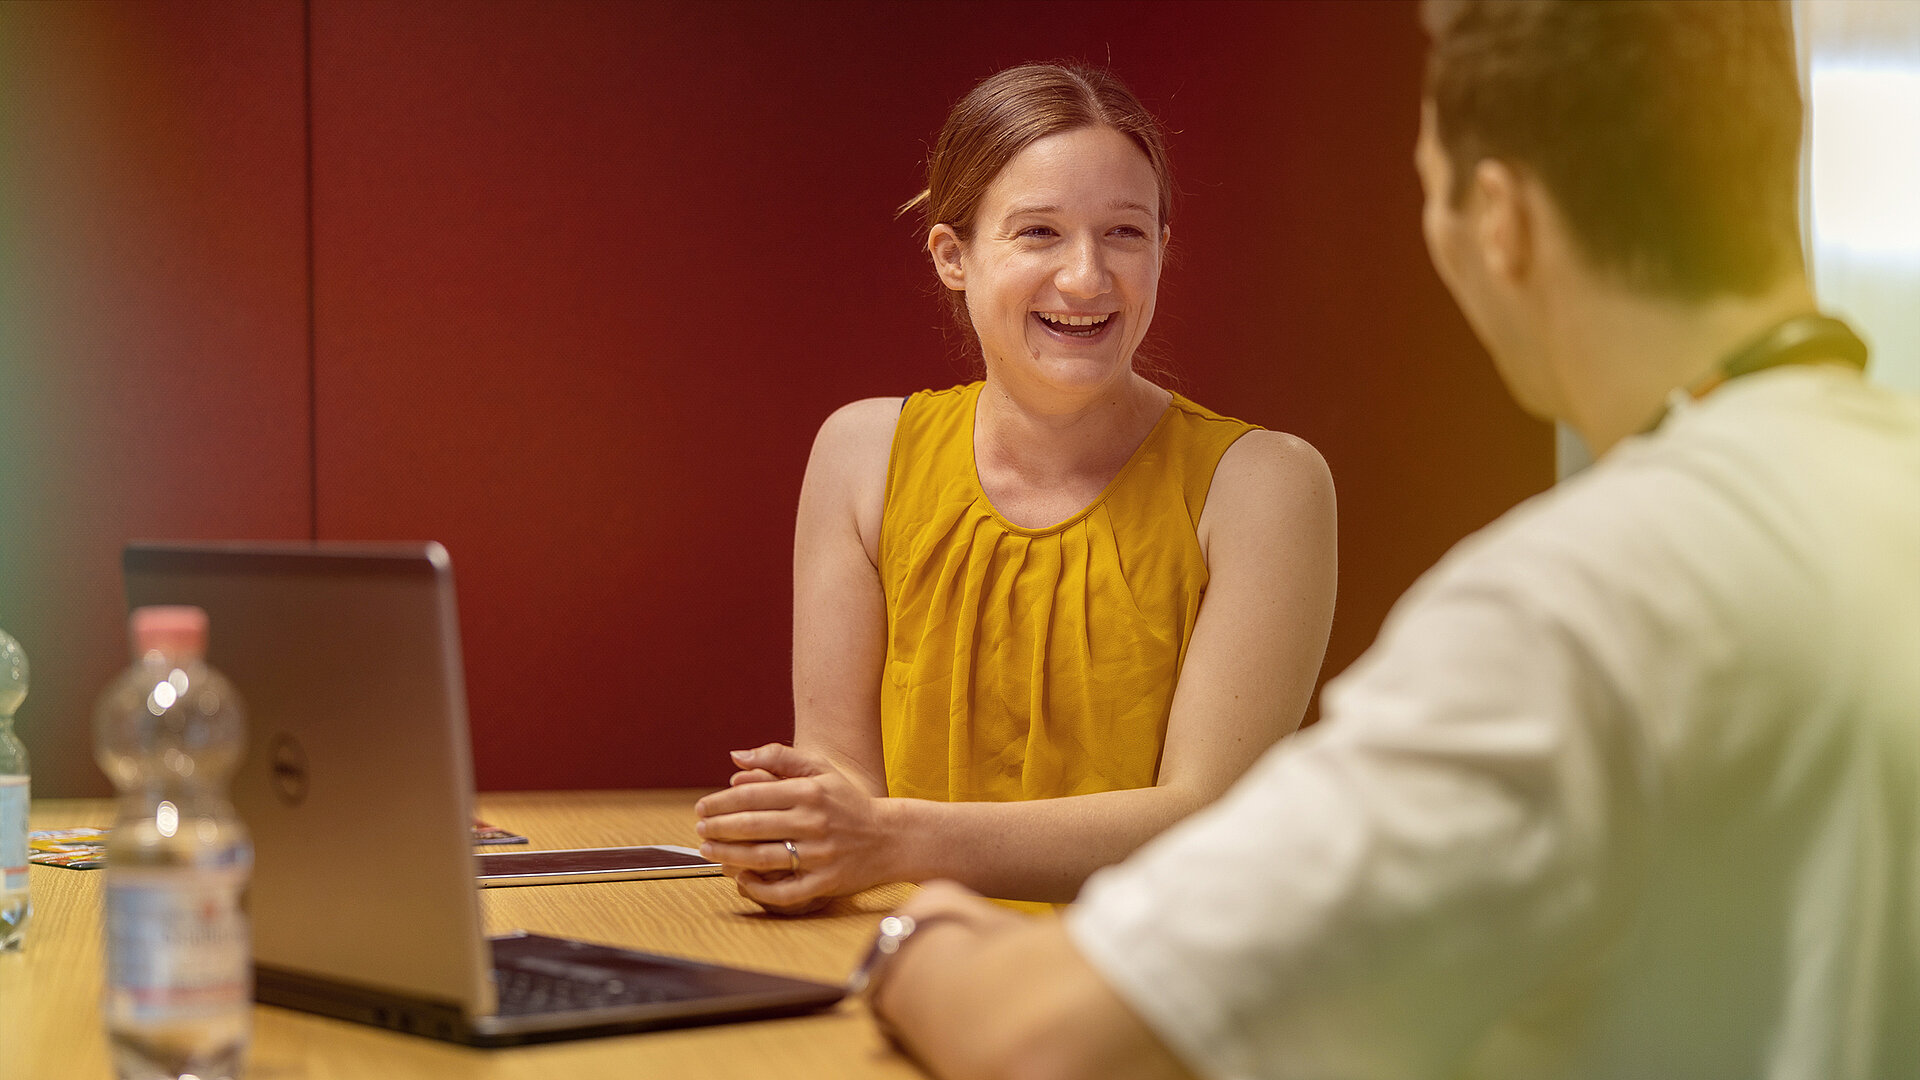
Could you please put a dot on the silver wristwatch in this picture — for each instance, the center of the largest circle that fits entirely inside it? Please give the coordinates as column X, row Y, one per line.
column 894, row 932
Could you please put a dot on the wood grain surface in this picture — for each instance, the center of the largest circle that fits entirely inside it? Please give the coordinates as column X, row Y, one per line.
column 50, row 1024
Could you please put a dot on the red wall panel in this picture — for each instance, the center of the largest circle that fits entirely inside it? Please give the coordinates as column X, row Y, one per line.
column 153, row 319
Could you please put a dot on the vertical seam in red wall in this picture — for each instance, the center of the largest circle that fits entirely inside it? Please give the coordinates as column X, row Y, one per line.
column 313, row 368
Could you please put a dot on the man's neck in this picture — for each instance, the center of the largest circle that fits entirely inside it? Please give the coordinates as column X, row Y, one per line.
column 1619, row 355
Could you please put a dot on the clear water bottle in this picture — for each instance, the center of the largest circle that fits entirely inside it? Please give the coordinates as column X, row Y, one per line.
column 15, row 904
column 169, row 733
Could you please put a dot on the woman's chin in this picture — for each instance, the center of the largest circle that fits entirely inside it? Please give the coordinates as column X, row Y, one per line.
column 1052, row 387
column 1083, row 370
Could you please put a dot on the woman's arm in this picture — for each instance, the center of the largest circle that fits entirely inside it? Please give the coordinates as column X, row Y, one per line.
column 1268, row 534
column 839, row 610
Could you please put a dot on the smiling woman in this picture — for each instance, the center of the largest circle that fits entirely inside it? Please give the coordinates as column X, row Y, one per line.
column 1040, row 617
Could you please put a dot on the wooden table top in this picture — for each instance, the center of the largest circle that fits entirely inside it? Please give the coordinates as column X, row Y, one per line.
column 50, row 1024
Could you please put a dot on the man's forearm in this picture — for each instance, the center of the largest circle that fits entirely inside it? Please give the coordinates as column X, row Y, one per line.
column 1014, row 1001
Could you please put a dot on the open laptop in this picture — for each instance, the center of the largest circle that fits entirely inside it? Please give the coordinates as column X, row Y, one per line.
column 358, row 789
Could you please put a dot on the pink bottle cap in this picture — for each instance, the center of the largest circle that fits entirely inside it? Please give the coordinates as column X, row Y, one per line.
column 177, row 630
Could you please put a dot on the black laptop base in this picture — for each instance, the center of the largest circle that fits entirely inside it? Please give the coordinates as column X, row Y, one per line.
column 652, row 992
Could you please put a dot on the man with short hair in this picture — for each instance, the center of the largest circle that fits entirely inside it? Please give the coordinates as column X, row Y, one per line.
column 1629, row 785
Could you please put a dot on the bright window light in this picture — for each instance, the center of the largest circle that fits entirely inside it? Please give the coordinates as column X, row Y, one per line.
column 1866, row 162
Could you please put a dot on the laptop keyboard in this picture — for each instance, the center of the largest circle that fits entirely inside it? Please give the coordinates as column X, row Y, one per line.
column 524, row 993
column 529, row 984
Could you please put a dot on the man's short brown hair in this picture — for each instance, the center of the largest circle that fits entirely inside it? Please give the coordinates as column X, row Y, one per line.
column 1667, row 131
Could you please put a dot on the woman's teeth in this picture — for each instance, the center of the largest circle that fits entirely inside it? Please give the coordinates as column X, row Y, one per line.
column 1078, row 325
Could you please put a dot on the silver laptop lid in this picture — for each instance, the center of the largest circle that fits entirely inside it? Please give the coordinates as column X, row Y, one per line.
column 357, row 784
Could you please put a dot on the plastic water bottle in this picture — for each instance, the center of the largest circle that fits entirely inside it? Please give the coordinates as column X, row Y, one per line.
column 16, row 906
column 179, row 984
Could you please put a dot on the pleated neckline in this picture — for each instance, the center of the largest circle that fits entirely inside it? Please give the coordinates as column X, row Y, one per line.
column 979, row 490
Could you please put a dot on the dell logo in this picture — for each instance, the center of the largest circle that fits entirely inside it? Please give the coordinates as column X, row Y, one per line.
column 287, row 763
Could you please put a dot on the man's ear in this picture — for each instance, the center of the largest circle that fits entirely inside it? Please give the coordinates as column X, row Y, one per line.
column 945, row 247
column 1504, row 219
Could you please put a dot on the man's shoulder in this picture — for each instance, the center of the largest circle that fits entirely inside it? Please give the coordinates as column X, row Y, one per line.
column 1732, row 534
column 1639, row 545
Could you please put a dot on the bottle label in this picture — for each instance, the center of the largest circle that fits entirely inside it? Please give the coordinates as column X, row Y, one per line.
column 14, row 799
column 177, row 943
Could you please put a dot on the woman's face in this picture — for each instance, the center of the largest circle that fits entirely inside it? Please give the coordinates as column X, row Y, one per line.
column 1061, row 272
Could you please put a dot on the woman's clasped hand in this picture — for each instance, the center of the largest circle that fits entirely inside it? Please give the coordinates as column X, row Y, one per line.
column 784, row 796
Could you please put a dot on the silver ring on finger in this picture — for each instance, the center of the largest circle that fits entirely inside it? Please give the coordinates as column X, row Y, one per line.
column 793, row 857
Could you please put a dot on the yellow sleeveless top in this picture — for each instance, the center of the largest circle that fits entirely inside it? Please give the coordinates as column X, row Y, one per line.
column 1036, row 663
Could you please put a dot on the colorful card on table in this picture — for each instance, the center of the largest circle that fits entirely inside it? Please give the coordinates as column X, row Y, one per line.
column 484, row 833
column 75, row 849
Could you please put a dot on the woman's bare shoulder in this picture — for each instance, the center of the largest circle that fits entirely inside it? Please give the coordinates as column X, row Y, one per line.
column 1268, row 479
column 848, row 468
column 1264, row 458
column 858, row 435
column 867, row 417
